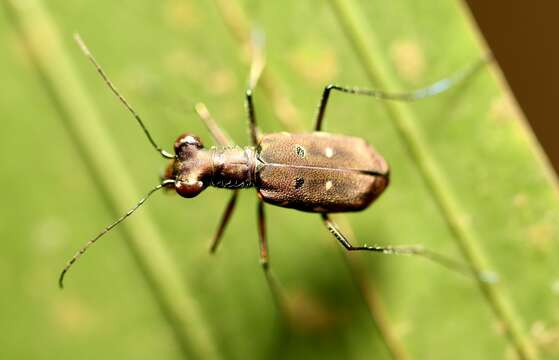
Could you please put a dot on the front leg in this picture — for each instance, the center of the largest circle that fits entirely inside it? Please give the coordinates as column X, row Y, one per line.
column 224, row 221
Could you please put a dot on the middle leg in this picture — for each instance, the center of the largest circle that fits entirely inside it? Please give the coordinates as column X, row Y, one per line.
column 262, row 239
column 256, row 68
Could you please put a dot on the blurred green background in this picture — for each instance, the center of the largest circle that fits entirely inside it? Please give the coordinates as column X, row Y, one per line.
column 163, row 56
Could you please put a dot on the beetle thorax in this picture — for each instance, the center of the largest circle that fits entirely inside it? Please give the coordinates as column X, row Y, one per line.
column 232, row 167
column 195, row 168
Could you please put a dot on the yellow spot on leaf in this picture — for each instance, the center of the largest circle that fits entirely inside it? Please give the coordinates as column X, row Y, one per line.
column 181, row 62
column 315, row 63
column 520, row 200
column 545, row 337
column 72, row 316
column 408, row 59
column 503, row 109
column 221, row 82
column 540, row 236
column 181, row 14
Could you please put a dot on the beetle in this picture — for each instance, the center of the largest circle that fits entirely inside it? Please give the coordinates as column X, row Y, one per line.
column 317, row 172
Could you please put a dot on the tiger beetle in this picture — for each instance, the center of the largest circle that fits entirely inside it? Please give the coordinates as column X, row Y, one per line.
column 317, row 172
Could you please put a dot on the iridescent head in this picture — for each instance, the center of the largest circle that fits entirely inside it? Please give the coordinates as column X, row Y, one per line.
column 191, row 168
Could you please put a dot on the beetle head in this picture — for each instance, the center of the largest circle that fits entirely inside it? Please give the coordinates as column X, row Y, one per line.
column 186, row 144
column 191, row 169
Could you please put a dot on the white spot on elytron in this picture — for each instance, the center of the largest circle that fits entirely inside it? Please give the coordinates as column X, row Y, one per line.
column 329, row 185
column 329, row 152
column 555, row 287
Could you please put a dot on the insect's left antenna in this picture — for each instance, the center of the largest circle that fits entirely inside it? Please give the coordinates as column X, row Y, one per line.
column 101, row 72
column 88, row 244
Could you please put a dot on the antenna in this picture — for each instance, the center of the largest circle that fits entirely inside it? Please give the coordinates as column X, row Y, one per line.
column 106, row 230
column 101, row 72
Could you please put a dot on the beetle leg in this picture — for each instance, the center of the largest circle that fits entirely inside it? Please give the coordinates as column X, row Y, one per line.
column 251, row 118
column 256, row 66
column 258, row 59
column 422, row 93
column 219, row 135
column 486, row 276
column 263, row 241
column 275, row 289
column 222, row 139
column 224, row 221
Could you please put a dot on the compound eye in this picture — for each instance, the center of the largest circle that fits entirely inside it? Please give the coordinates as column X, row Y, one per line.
column 189, row 189
column 188, row 139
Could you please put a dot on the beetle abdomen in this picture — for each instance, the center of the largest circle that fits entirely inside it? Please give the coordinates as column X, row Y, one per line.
column 319, row 172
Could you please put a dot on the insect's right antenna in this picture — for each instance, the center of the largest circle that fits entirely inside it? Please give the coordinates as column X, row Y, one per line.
column 101, row 72
column 106, row 230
